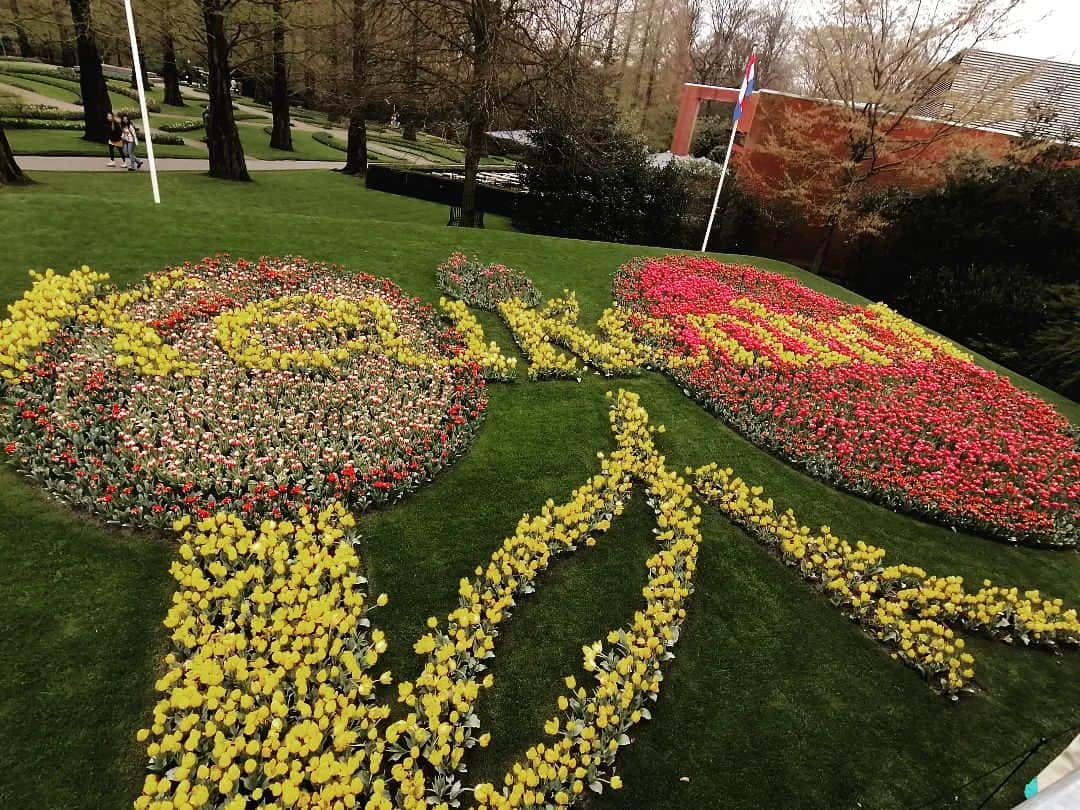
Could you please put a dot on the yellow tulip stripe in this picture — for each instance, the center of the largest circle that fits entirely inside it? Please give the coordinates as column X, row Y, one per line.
column 427, row 747
column 52, row 300
column 236, row 334
column 594, row 724
column 919, row 342
column 494, row 365
column 268, row 696
column 136, row 344
column 916, row 614
column 535, row 331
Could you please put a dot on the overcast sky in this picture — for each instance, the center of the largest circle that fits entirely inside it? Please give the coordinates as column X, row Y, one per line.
column 1050, row 30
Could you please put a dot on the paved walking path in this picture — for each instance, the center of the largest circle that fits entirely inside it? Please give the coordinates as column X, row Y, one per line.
column 39, row 163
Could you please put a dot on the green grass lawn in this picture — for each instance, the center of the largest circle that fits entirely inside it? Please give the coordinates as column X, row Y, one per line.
column 50, row 90
column 773, row 699
column 71, row 143
column 257, row 144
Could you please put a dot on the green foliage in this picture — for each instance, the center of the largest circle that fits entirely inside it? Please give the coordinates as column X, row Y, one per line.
column 40, row 123
column 181, row 126
column 591, row 179
column 39, row 112
column 168, row 139
column 711, row 136
column 1055, row 346
column 326, row 139
column 980, row 258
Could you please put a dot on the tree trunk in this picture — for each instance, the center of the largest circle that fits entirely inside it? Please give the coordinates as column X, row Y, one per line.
column 485, row 24
column 410, row 113
column 95, row 93
column 823, row 247
column 65, row 55
column 222, row 138
column 170, row 74
column 280, row 135
column 21, row 38
column 356, row 157
column 474, row 140
column 654, row 64
column 145, row 69
column 609, row 51
column 10, row 173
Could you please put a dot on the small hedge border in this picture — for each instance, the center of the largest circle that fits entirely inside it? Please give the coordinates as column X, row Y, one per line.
column 40, row 123
column 181, row 126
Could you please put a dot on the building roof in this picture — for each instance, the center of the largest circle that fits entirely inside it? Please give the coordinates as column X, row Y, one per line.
column 1042, row 98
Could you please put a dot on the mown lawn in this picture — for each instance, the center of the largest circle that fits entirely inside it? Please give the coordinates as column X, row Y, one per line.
column 773, row 699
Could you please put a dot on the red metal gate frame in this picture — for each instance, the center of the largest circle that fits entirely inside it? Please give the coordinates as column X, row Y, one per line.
column 692, row 96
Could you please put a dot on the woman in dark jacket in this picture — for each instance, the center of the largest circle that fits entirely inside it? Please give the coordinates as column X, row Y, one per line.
column 116, row 142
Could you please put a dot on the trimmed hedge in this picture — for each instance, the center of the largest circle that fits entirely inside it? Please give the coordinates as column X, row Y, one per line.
column 446, row 190
column 168, row 139
column 40, row 123
column 326, row 139
column 39, row 112
column 181, row 126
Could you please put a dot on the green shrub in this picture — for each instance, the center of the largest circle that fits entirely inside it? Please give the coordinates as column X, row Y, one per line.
column 326, row 139
column 1055, row 345
column 990, row 260
column 711, row 136
column 168, row 139
column 591, row 179
column 39, row 112
column 181, row 126
column 40, row 123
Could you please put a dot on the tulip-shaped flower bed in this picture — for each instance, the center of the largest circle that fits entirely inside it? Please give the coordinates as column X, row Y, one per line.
column 860, row 397
column 259, row 387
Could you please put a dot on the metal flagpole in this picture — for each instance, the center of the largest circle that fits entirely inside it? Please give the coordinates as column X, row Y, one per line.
column 137, row 67
column 719, row 186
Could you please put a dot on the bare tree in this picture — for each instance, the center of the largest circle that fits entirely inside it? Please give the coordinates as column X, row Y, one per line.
column 878, row 63
column 222, row 137
column 280, row 134
column 92, row 87
column 19, row 23
column 170, row 73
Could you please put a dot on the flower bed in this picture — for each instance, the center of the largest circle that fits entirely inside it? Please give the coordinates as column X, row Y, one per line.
column 270, row 697
column 859, row 397
column 266, row 386
column 916, row 614
column 538, row 332
column 484, row 285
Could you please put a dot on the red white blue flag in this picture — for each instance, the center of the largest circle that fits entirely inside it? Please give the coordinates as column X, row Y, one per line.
column 747, row 86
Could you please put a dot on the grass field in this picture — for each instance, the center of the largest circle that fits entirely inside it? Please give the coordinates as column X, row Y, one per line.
column 773, row 699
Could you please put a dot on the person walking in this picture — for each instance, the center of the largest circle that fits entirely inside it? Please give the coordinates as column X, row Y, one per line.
column 116, row 141
column 130, row 137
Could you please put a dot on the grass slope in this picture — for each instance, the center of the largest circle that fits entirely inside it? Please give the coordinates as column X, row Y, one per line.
column 773, row 699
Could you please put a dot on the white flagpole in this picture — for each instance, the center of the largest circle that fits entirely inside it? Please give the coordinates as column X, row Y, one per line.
column 719, row 186
column 137, row 67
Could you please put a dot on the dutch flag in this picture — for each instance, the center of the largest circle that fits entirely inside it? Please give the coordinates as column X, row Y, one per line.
column 747, row 86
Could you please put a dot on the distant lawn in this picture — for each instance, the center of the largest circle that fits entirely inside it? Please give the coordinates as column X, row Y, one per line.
column 69, row 143
column 50, row 90
column 257, row 145
column 773, row 699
